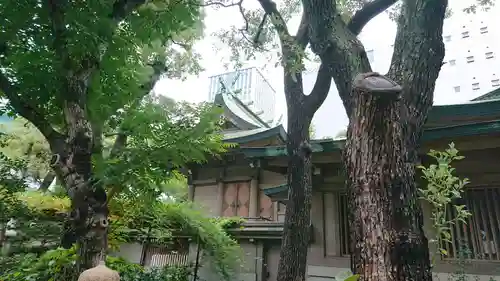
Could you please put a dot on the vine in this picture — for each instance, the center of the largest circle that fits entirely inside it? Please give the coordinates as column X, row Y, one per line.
column 443, row 189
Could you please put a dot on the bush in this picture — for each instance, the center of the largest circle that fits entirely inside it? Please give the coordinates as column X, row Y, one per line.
column 59, row 264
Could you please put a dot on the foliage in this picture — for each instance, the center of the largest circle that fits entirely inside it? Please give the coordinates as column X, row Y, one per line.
column 257, row 38
column 442, row 191
column 162, row 136
column 347, row 276
column 127, row 50
column 312, row 131
column 59, row 264
column 11, row 182
column 162, row 221
column 484, row 5
column 82, row 74
column 45, row 202
column 43, row 214
column 22, row 141
column 134, row 272
column 70, row 67
column 36, row 219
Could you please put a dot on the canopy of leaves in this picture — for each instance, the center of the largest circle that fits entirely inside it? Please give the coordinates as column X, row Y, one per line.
column 129, row 46
column 161, row 137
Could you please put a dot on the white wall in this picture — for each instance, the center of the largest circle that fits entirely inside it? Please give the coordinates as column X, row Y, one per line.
column 331, row 117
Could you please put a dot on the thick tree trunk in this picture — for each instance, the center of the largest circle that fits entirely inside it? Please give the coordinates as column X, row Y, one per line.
column 88, row 221
column 388, row 239
column 3, row 230
column 72, row 162
column 296, row 237
column 384, row 133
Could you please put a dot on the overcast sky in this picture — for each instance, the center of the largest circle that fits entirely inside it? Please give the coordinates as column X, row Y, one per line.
column 378, row 34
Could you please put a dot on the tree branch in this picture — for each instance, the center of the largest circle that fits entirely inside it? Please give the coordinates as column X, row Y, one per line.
column 89, row 63
column 123, row 8
column 159, row 69
column 302, row 35
column 119, row 144
column 419, row 51
column 28, row 111
column 276, row 19
column 221, row 4
column 320, row 90
column 337, row 47
column 56, row 11
column 368, row 12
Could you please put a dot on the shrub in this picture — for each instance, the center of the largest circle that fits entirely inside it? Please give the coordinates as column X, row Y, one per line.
column 59, row 264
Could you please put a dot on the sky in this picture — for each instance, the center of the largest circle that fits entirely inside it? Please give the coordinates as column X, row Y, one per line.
column 215, row 54
column 195, row 88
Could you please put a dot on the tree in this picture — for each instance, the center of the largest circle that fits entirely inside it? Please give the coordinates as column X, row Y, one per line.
column 387, row 114
column 382, row 111
column 263, row 25
column 79, row 72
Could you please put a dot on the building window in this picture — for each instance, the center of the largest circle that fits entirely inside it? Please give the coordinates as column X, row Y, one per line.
column 489, row 55
column 495, row 82
column 483, row 29
column 475, row 86
column 479, row 237
column 280, row 212
column 452, row 62
column 456, row 89
column 447, row 38
column 470, row 59
column 465, row 34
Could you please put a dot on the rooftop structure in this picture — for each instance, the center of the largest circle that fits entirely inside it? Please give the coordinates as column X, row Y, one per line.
column 250, row 87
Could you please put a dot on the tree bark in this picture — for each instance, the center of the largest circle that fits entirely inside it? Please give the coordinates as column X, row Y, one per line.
column 384, row 131
column 301, row 109
column 296, row 236
column 72, row 162
column 3, row 230
column 388, row 240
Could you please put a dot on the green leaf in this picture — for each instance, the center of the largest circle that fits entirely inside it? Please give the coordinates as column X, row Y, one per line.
column 354, row 277
column 443, row 252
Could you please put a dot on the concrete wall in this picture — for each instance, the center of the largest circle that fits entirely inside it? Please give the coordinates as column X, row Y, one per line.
column 261, row 264
column 328, row 273
column 251, row 268
column 132, row 252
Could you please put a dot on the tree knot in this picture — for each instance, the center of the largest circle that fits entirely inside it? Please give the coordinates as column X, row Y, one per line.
column 305, row 148
column 54, row 160
column 375, row 83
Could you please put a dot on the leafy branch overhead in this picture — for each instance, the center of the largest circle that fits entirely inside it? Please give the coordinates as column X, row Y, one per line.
column 82, row 73
column 119, row 50
column 158, row 138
